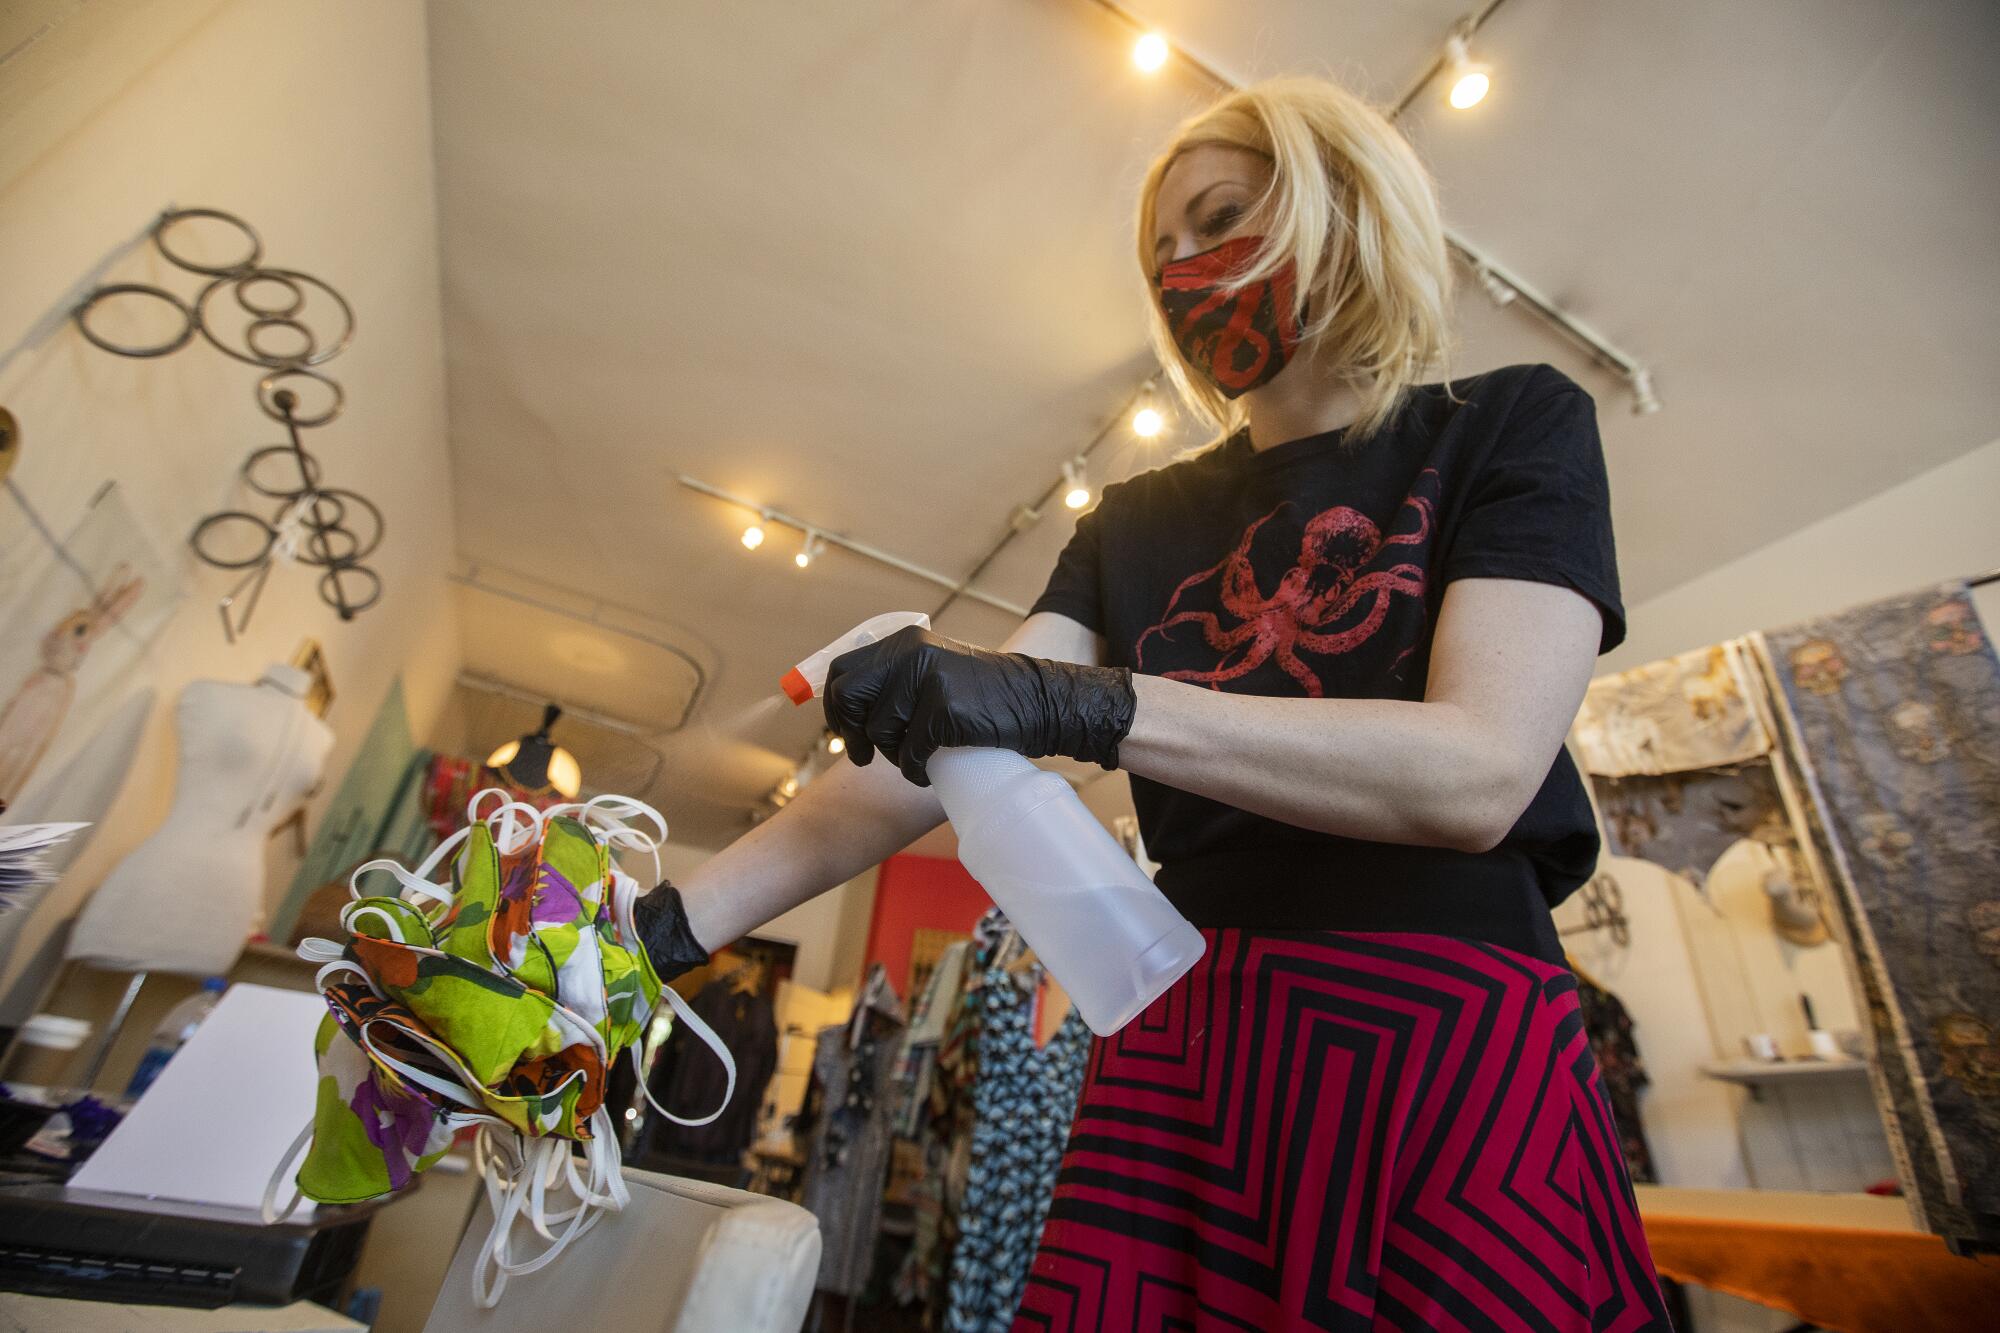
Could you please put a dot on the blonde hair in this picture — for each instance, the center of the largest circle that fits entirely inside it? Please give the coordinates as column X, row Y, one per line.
column 1354, row 209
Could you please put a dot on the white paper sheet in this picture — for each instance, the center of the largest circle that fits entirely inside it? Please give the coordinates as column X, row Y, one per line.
column 224, row 1110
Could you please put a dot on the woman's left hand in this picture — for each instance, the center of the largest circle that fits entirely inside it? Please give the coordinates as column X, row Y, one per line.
column 916, row 692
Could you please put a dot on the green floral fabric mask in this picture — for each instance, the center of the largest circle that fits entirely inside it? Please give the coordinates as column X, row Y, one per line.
column 497, row 1001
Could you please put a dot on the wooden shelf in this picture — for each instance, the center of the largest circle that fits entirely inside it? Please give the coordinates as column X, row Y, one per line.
column 1751, row 1073
column 276, row 953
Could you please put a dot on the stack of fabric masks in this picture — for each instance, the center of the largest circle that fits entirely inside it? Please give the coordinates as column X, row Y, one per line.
column 496, row 1000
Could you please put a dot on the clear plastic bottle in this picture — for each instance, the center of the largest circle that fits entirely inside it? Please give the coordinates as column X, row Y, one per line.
column 173, row 1033
column 1103, row 929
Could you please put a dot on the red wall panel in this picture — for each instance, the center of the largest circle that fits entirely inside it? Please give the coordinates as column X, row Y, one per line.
column 914, row 892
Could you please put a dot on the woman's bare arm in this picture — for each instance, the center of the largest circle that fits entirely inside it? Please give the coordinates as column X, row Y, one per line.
column 1509, row 664
column 846, row 820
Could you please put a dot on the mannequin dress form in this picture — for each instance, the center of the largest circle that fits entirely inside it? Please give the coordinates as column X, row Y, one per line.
column 188, row 897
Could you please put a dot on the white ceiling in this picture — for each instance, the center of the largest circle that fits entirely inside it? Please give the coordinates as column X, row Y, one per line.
column 869, row 263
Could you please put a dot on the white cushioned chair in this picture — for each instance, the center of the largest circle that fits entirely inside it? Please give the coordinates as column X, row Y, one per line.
column 683, row 1257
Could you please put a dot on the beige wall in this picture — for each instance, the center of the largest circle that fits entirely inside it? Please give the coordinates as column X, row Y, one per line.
column 1936, row 526
column 312, row 120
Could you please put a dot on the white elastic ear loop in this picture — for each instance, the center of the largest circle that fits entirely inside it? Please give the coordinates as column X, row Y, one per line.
column 514, row 826
column 356, row 910
column 607, row 1177
column 442, row 1087
column 610, row 814
column 314, row 949
column 606, row 815
column 287, row 1166
column 605, row 1186
column 624, row 896
column 714, row 1043
column 541, row 1165
column 416, row 881
column 489, row 1277
column 341, row 964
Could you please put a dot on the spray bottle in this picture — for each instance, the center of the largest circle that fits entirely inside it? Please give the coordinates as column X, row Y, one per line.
column 1084, row 906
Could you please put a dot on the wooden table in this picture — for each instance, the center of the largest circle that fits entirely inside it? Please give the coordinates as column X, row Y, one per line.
column 1852, row 1262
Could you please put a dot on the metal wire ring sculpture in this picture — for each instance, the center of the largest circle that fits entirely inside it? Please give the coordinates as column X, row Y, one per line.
column 204, row 535
column 298, row 281
column 301, row 357
column 82, row 316
column 168, row 220
column 346, row 501
column 243, row 285
column 311, row 525
column 334, row 593
column 267, row 391
column 251, row 464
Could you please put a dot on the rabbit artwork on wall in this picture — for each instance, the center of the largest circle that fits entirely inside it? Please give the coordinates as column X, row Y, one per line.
column 36, row 709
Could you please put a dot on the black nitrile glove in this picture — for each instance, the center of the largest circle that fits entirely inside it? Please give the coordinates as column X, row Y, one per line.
column 916, row 692
column 663, row 929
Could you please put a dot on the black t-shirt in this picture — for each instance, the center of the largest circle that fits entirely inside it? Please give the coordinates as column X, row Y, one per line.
column 1316, row 568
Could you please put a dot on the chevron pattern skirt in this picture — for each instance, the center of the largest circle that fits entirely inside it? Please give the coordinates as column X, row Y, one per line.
column 1318, row 1130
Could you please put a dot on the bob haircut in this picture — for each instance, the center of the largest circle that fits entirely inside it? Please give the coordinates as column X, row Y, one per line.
column 1352, row 207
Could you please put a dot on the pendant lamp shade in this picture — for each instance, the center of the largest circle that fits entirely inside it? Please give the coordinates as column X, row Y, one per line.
column 537, row 764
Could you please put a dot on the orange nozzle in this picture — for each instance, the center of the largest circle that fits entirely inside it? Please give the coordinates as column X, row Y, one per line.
column 796, row 687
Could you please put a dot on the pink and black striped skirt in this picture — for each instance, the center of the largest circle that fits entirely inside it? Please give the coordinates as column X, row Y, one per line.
column 1321, row 1130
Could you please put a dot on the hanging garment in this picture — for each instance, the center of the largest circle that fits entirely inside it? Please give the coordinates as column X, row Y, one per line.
column 1334, row 1130
column 916, row 1060
column 1023, row 1100
column 943, row 1131
column 1684, row 822
column 1892, row 713
column 687, row 1082
column 1609, row 1027
column 1697, row 710
column 848, row 1108
column 450, row 783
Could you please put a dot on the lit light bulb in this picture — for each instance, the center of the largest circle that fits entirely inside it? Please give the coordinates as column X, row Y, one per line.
column 565, row 774
column 1150, row 52
column 836, row 745
column 802, row 559
column 631, row 1113
column 1147, row 422
column 808, row 552
column 790, row 786
column 1469, row 80
column 753, row 537
column 1076, row 491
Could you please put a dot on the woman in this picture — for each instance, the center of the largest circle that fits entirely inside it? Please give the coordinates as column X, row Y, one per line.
column 1337, row 653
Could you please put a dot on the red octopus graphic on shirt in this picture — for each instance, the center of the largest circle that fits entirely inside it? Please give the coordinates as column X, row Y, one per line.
column 1333, row 598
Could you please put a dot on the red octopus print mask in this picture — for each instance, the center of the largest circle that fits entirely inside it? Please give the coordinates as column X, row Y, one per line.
column 1238, row 338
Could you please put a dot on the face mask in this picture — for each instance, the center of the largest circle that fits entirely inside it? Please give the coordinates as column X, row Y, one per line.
column 497, row 998
column 1239, row 339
